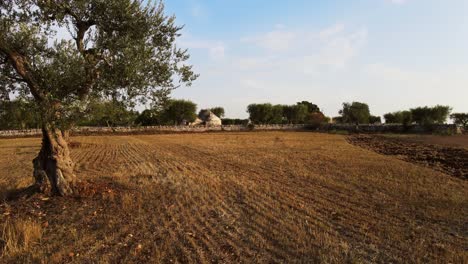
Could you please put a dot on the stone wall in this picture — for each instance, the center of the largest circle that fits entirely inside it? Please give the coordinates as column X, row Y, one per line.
column 392, row 128
column 384, row 128
column 150, row 130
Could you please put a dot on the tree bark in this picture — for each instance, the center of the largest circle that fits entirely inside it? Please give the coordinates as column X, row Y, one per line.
column 53, row 166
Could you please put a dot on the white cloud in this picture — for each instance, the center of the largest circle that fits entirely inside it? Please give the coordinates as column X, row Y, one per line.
column 217, row 52
column 304, row 63
column 274, row 41
column 215, row 49
column 305, row 51
column 331, row 31
column 398, row 2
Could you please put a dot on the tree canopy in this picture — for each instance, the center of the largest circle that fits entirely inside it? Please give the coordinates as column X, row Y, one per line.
column 430, row 115
column 218, row 111
column 18, row 114
column 298, row 113
column 108, row 113
column 400, row 117
column 179, row 111
column 355, row 112
column 460, row 119
column 122, row 50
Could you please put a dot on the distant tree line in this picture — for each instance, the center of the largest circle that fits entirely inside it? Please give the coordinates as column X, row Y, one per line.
column 18, row 114
column 299, row 113
column 21, row 114
column 424, row 116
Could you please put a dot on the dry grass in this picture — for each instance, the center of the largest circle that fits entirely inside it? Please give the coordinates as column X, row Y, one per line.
column 268, row 197
column 18, row 236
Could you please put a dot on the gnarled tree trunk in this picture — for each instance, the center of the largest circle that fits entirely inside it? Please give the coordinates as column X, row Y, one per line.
column 53, row 167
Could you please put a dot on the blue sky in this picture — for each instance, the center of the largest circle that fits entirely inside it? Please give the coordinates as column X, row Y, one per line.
column 391, row 54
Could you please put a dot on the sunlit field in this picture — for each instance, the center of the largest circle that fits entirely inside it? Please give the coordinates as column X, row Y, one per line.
column 268, row 197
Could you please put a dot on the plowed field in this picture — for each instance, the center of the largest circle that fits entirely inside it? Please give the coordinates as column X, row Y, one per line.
column 264, row 197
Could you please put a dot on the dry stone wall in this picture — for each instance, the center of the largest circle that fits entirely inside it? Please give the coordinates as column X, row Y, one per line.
column 393, row 128
column 384, row 128
column 150, row 129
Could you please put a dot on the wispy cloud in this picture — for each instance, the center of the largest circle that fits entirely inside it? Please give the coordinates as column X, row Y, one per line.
column 306, row 50
column 215, row 49
column 279, row 59
column 274, row 41
column 398, row 2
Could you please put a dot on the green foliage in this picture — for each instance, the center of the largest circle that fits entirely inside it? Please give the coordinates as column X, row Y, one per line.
column 204, row 114
column 460, row 119
column 355, row 112
column 149, row 117
column 276, row 116
column 400, row 117
column 298, row 114
column 430, row 115
column 178, row 112
column 279, row 114
column 218, row 111
column 375, row 119
column 260, row 113
column 311, row 108
column 108, row 113
column 18, row 114
column 122, row 49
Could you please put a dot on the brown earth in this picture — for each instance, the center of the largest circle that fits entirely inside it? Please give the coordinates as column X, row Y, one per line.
column 265, row 197
column 451, row 160
column 457, row 141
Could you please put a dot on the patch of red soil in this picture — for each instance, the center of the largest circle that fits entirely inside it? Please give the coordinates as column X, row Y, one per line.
column 450, row 160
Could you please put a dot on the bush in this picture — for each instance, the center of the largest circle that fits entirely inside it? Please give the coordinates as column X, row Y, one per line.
column 315, row 119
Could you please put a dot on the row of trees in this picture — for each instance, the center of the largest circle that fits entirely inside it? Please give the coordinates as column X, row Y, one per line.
column 351, row 113
column 308, row 113
column 425, row 116
column 18, row 114
column 301, row 112
column 21, row 114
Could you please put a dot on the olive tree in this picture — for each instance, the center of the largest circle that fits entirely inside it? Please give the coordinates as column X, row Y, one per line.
column 355, row 112
column 460, row 119
column 120, row 49
column 430, row 115
column 179, row 112
column 218, row 111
